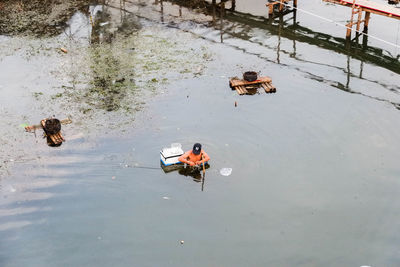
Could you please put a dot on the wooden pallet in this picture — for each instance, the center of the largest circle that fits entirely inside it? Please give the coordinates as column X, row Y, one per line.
column 244, row 87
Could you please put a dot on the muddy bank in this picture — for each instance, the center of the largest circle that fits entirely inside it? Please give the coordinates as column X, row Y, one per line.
column 38, row 17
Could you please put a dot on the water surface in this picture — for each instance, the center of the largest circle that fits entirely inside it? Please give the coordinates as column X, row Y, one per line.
column 315, row 169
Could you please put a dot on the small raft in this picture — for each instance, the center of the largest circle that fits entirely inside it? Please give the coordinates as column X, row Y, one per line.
column 244, row 87
column 52, row 130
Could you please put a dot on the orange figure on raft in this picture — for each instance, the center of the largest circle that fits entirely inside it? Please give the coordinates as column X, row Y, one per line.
column 194, row 157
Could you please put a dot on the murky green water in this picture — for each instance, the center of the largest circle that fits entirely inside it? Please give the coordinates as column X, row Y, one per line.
column 315, row 177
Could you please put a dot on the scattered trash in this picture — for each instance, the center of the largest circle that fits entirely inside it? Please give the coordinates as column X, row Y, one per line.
column 113, row 178
column 11, row 160
column 235, row 104
column 12, row 189
column 225, row 171
column 104, row 23
column 99, row 237
column 182, row 241
column 23, row 125
column 64, row 50
column 166, row 198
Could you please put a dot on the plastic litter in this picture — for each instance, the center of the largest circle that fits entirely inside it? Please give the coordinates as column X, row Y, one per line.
column 225, row 171
column 12, row 189
column 166, row 198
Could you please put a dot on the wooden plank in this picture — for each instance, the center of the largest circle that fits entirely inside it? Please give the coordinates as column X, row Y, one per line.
column 244, row 90
column 273, row 88
column 238, row 90
column 238, row 82
column 266, row 88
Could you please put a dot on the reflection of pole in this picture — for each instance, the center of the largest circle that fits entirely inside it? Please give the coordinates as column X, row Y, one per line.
column 162, row 11
column 294, row 28
column 348, row 70
column 214, row 3
column 222, row 20
column 233, row 7
column 279, row 37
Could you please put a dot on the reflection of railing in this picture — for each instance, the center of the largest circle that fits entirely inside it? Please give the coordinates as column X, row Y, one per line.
column 297, row 33
column 239, row 25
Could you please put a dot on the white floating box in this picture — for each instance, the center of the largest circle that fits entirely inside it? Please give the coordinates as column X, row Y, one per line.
column 170, row 155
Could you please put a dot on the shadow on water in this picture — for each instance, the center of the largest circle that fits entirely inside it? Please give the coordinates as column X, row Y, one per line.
column 196, row 173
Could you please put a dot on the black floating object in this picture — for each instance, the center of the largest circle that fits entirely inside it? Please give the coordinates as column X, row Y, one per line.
column 52, row 126
column 250, row 76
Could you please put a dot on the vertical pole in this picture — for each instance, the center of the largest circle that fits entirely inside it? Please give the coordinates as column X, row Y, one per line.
column 281, row 6
column 222, row 20
column 366, row 21
column 350, row 24
column 270, row 10
column 294, row 11
column 359, row 16
column 233, row 7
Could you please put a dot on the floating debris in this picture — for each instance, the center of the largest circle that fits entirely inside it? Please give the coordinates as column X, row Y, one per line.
column 64, row 50
column 52, row 129
column 250, row 84
column 225, row 171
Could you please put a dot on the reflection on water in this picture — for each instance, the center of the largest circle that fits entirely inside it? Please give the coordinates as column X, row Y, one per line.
column 195, row 172
column 260, row 31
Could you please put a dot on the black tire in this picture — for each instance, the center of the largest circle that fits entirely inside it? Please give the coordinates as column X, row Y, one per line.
column 250, row 76
column 52, row 126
